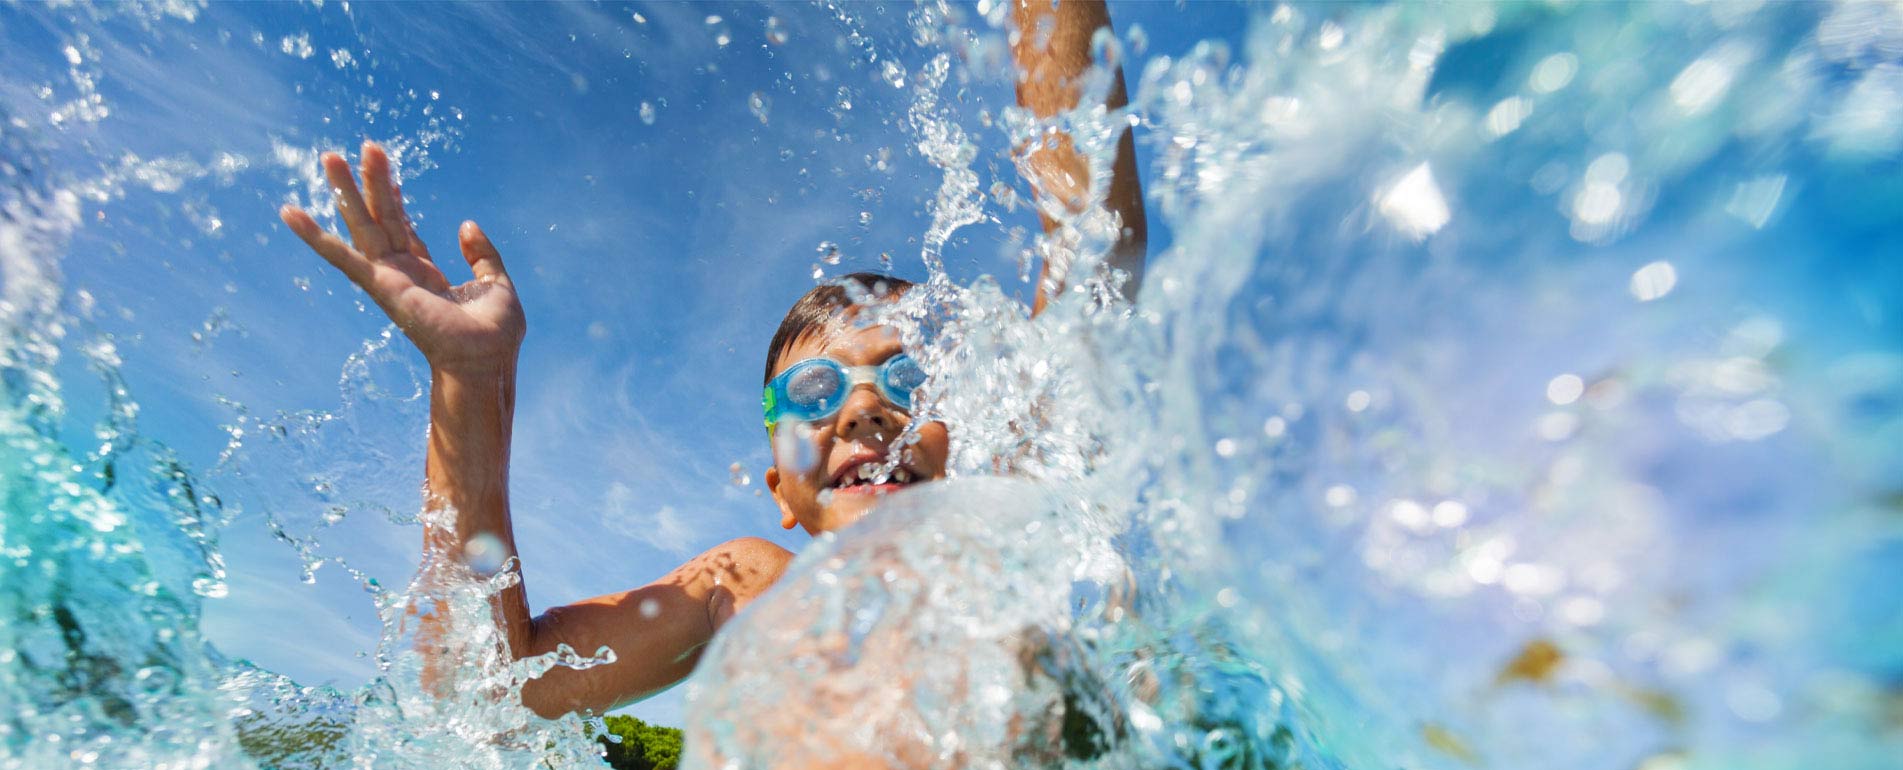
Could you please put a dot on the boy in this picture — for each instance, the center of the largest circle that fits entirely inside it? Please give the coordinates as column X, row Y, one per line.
column 470, row 334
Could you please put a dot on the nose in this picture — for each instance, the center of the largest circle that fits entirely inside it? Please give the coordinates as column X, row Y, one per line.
column 866, row 415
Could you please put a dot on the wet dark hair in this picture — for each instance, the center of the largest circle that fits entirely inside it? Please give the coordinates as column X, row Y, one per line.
column 817, row 307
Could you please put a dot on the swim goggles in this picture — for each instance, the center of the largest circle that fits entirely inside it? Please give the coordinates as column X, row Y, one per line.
column 816, row 388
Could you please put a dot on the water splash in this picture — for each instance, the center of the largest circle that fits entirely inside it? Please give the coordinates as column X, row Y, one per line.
column 1454, row 553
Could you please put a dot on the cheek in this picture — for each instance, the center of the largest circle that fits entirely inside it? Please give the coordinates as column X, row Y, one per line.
column 933, row 446
column 801, row 458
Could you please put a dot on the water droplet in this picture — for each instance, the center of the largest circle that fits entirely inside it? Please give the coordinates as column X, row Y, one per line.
column 484, row 554
column 865, row 219
column 844, row 98
column 647, row 113
column 775, row 30
column 1450, row 513
column 1138, row 38
column 1415, row 204
column 1565, row 389
column 299, row 46
column 894, row 74
column 793, row 446
column 757, row 104
column 650, row 609
column 1505, row 117
column 1553, row 73
column 1331, row 36
column 210, row 588
column 1597, row 203
column 828, row 252
column 1653, row 281
column 738, row 474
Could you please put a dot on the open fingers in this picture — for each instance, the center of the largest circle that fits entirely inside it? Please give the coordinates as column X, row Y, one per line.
column 381, row 196
column 482, row 256
column 364, row 231
column 409, row 228
column 339, row 254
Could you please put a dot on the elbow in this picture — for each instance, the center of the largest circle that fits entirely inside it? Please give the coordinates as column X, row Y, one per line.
column 748, row 566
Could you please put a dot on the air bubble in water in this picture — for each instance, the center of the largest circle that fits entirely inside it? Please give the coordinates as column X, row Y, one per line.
column 757, row 104
column 647, row 113
column 775, row 31
column 484, row 554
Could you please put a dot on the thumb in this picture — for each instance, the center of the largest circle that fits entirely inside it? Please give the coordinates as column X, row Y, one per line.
column 480, row 253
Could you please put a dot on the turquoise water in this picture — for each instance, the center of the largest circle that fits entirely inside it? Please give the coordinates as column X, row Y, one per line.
column 1512, row 386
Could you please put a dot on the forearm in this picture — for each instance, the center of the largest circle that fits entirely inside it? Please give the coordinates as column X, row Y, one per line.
column 657, row 631
column 1053, row 68
column 467, row 472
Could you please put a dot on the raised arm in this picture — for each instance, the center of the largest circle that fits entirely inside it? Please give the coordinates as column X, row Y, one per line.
column 471, row 334
column 1053, row 65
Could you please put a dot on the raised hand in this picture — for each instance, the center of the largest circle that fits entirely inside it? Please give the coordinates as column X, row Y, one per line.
column 471, row 328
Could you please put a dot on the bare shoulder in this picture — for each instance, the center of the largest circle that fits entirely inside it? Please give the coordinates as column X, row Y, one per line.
column 746, row 561
column 752, row 549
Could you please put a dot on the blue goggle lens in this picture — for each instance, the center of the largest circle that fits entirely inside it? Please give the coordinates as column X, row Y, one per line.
column 812, row 388
column 816, row 388
column 901, row 376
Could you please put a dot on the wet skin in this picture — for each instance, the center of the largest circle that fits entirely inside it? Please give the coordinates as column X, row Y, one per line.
column 863, row 431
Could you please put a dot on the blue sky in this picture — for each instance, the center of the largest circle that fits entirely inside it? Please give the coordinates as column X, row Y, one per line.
column 656, row 224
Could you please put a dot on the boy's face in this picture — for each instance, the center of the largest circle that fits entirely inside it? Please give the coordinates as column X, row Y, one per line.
column 829, row 494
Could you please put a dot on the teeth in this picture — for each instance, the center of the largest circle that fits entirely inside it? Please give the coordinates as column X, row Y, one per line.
column 873, row 473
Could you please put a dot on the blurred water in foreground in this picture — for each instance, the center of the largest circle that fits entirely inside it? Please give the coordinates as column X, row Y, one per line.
column 1521, row 386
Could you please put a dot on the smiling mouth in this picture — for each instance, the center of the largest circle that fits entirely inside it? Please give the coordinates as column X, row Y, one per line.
column 870, row 478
